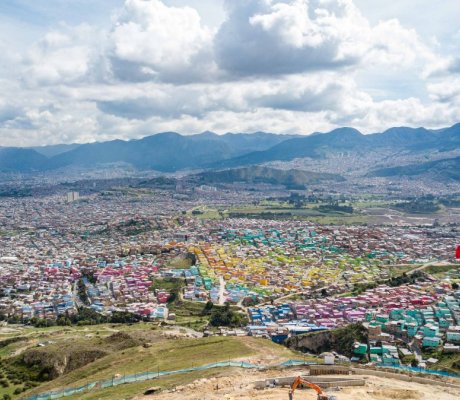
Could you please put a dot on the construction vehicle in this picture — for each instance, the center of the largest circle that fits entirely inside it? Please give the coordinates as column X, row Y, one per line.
column 300, row 381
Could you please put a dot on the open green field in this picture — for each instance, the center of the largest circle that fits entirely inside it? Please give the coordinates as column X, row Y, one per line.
column 398, row 270
column 370, row 210
column 442, row 270
column 282, row 211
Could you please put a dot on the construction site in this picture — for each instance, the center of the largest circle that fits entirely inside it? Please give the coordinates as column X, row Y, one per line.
column 319, row 382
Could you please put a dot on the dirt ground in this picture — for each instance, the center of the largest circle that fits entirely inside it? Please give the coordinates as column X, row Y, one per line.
column 239, row 386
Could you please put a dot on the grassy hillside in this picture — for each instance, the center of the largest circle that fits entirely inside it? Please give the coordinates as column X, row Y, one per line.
column 291, row 178
column 125, row 350
column 340, row 340
column 447, row 169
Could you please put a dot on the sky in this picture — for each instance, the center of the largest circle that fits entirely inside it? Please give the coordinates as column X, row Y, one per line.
column 76, row 71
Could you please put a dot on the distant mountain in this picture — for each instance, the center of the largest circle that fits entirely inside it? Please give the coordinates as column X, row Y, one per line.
column 292, row 178
column 20, row 160
column 441, row 170
column 170, row 151
column 348, row 139
column 167, row 152
column 53, row 150
column 308, row 146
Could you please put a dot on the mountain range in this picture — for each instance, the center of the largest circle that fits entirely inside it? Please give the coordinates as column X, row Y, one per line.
column 170, row 151
column 351, row 140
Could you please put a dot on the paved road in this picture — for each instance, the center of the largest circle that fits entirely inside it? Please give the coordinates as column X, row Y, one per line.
column 221, row 290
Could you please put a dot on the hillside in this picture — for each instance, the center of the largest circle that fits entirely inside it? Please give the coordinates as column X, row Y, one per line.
column 446, row 169
column 340, row 340
column 290, row 178
column 54, row 150
column 132, row 350
column 393, row 140
column 166, row 152
column 61, row 357
column 21, row 160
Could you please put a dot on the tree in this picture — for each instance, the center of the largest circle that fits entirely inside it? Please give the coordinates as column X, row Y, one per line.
column 414, row 363
column 455, row 286
column 207, row 308
column 225, row 316
column 124, row 317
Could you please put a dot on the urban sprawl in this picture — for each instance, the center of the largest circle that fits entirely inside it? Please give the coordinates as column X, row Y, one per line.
column 110, row 253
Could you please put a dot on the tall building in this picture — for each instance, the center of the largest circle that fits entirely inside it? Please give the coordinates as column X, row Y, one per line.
column 72, row 196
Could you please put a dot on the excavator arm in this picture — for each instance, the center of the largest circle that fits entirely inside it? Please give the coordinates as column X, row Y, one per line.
column 300, row 381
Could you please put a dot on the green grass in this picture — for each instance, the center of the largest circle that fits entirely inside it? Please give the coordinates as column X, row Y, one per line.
column 195, row 323
column 165, row 355
column 446, row 361
column 169, row 284
column 127, row 391
column 308, row 212
column 345, row 219
column 441, row 269
column 180, row 263
column 8, row 349
column 397, row 270
column 187, row 308
column 190, row 314
column 207, row 213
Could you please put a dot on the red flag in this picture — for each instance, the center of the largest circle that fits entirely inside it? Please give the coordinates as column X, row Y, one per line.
column 457, row 253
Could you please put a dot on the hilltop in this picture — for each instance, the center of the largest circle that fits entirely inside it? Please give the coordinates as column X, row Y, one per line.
column 293, row 179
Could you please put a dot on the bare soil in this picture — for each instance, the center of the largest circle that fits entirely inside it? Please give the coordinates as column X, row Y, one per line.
column 239, row 385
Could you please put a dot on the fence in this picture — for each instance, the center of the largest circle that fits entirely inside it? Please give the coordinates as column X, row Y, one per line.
column 419, row 370
column 144, row 376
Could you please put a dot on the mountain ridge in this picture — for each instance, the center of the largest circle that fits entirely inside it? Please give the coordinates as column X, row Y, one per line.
column 171, row 151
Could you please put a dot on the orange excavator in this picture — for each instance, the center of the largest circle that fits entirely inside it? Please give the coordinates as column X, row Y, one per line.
column 300, row 381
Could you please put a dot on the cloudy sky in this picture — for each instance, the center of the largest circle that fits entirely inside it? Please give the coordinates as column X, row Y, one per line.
column 87, row 70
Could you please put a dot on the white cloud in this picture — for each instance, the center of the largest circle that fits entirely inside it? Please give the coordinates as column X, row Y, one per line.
column 61, row 57
column 151, row 41
column 292, row 36
column 405, row 112
column 446, row 91
column 279, row 37
column 282, row 66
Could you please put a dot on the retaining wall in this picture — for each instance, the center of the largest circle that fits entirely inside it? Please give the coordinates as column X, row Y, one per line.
column 323, row 382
